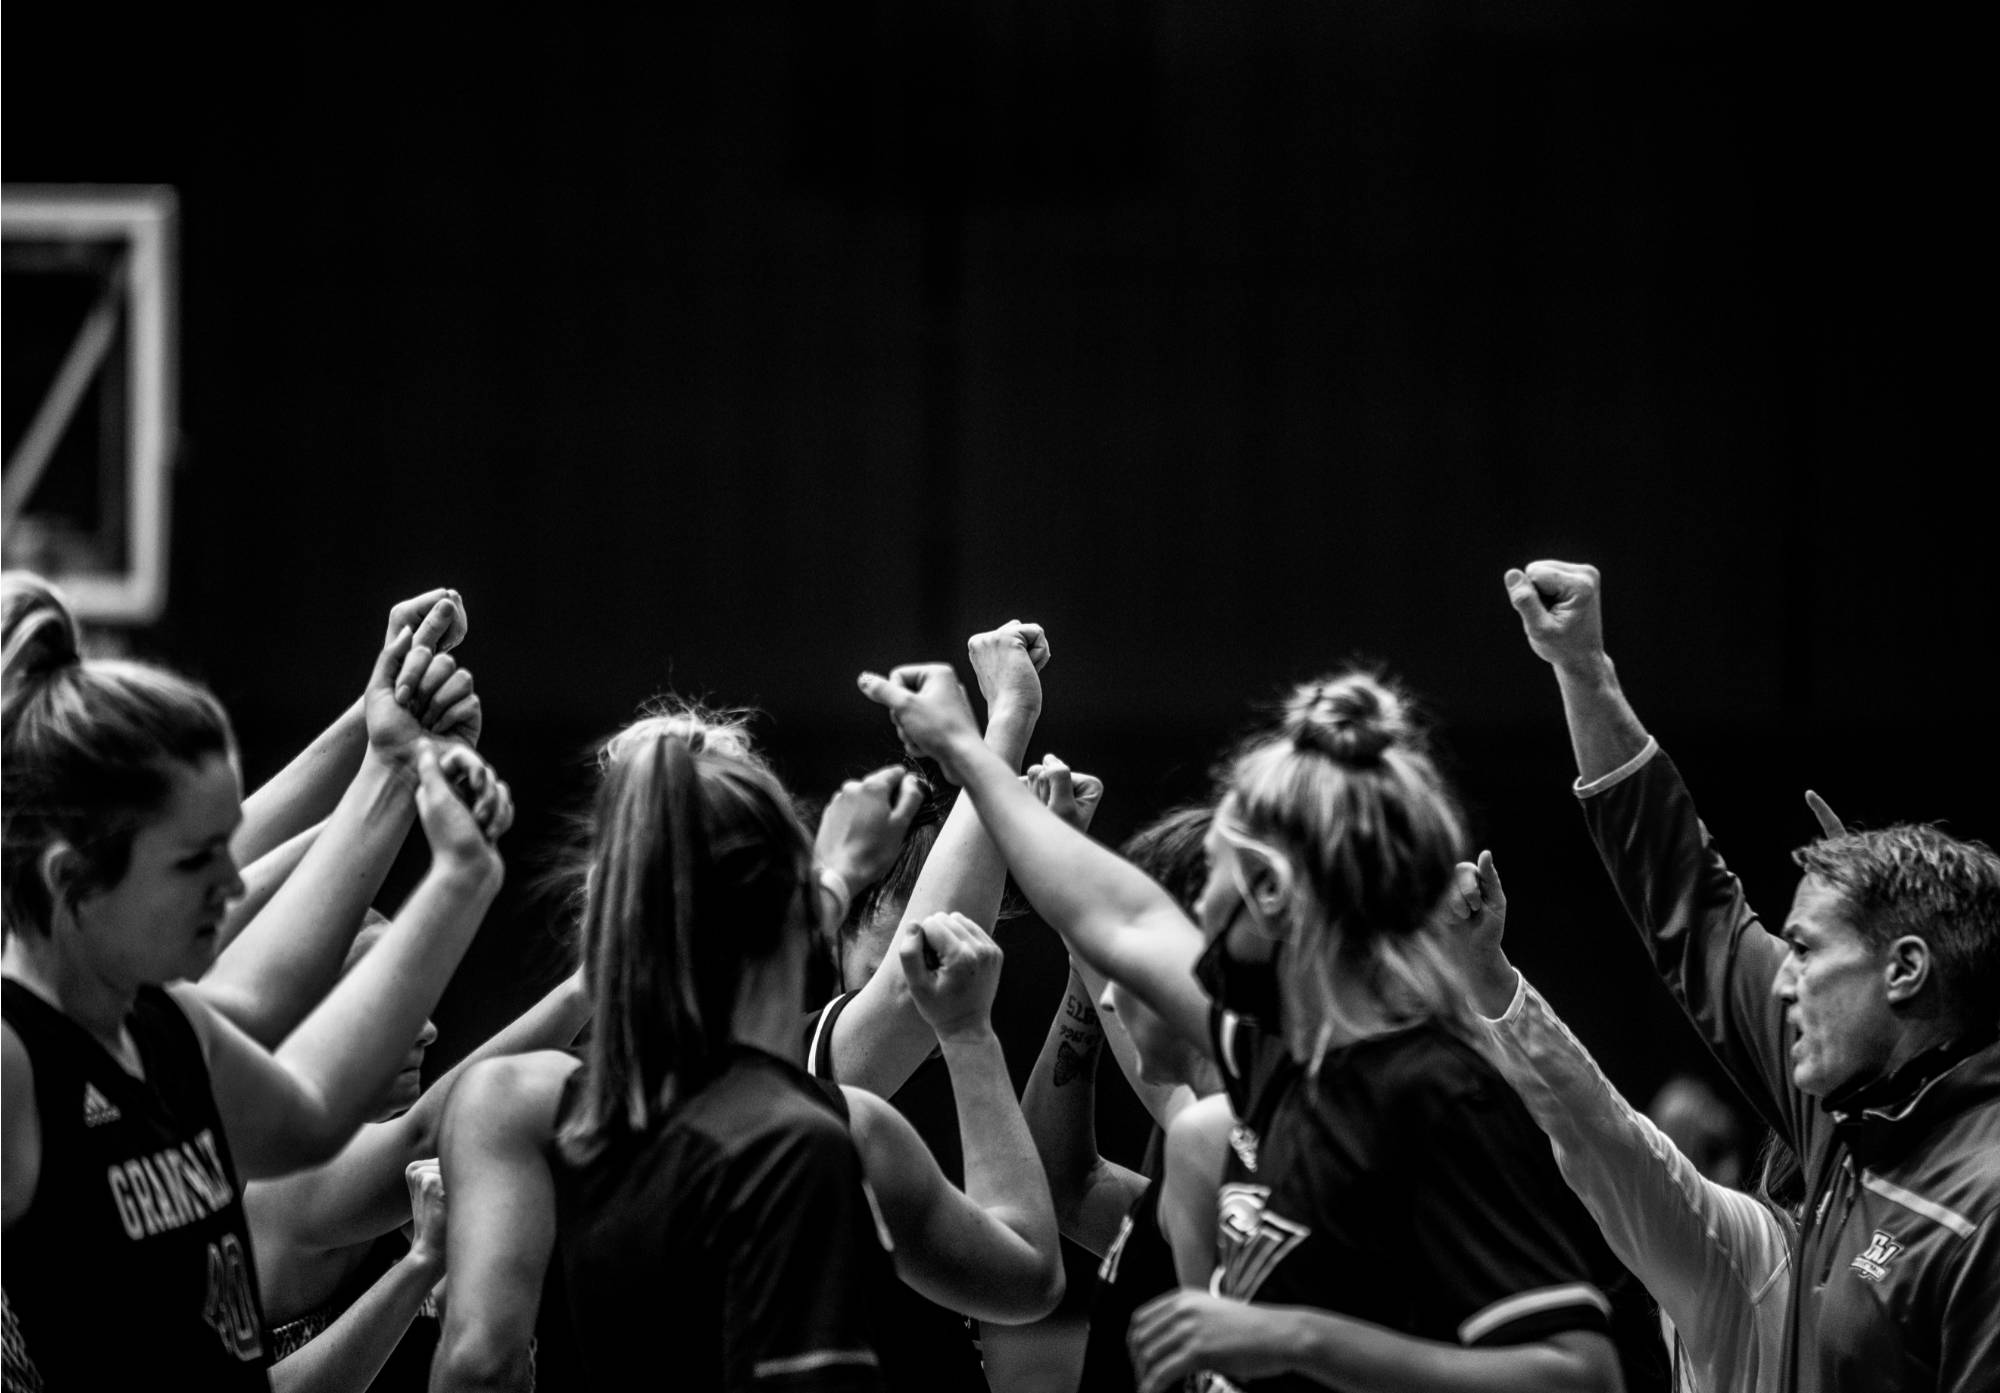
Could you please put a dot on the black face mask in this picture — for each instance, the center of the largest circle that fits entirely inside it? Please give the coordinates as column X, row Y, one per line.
column 1250, row 989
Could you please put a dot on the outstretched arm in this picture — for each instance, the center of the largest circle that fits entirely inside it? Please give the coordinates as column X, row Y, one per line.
column 298, row 1107
column 1706, row 941
column 1185, row 1331
column 1685, row 1237
column 305, row 791
column 1091, row 1195
column 282, row 964
column 880, row 1039
column 991, row 1251
column 360, row 1194
column 1114, row 917
column 494, row 1145
column 349, row 1353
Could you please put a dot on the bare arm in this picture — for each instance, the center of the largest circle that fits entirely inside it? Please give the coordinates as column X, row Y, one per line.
column 1197, row 1149
column 1112, row 915
column 361, row 1194
column 279, row 967
column 305, row 791
column 880, row 1039
column 349, row 1353
column 496, row 1134
column 298, row 1107
column 1185, row 1331
column 261, row 879
column 1091, row 1195
column 21, row 1139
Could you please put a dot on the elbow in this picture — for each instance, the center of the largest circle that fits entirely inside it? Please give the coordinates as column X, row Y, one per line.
column 1582, row 1363
column 1033, row 1294
column 480, row 1361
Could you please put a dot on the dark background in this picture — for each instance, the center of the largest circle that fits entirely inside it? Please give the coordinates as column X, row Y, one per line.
column 741, row 347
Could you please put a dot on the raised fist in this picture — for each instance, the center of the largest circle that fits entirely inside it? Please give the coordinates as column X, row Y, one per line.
column 953, row 968
column 928, row 706
column 1071, row 796
column 864, row 824
column 1007, row 662
column 1477, row 907
column 1560, row 610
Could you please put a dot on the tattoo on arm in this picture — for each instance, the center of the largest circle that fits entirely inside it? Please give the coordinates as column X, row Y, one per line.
column 1076, row 1054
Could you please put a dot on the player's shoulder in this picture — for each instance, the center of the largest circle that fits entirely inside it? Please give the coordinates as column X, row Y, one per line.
column 1426, row 1072
column 515, row 1093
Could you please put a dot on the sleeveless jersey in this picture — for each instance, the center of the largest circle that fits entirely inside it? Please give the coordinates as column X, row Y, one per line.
column 131, row 1267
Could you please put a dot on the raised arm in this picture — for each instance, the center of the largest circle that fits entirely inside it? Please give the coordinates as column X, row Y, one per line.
column 280, row 966
column 360, row 1194
column 879, row 1039
column 261, row 880
column 1091, row 1195
column 298, row 1107
column 1708, row 1254
column 1707, row 943
column 305, row 791
column 1197, row 1150
column 991, row 1251
column 1114, row 918
column 349, row 1353
column 493, row 1149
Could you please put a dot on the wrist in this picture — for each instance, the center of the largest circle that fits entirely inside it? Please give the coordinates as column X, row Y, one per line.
column 424, row 1261
column 1494, row 983
column 397, row 765
column 1590, row 670
column 1011, row 718
column 968, row 1035
column 473, row 871
column 836, row 887
column 961, row 755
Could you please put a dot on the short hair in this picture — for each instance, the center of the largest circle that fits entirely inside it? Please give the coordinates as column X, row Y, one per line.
column 1345, row 804
column 90, row 748
column 1913, row 878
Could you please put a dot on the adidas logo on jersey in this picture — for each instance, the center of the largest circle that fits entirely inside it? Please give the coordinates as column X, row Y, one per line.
column 97, row 1109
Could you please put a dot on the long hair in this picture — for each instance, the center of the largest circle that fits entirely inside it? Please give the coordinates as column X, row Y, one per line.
column 1344, row 809
column 90, row 748
column 697, row 864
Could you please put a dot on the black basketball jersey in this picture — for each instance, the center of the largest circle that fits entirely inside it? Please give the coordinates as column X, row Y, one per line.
column 931, row 1336
column 132, row 1266
column 1405, row 1185
column 734, row 1246
column 1138, row 1267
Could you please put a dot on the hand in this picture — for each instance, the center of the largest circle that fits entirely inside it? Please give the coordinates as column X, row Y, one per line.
column 403, row 672
column 1007, row 663
column 447, row 805
column 953, row 968
column 1477, row 902
column 427, row 1212
column 1829, row 824
column 1070, row 796
column 482, row 790
column 928, row 706
column 864, row 824
column 445, row 703
column 1185, row 1331
column 409, row 613
column 1560, row 609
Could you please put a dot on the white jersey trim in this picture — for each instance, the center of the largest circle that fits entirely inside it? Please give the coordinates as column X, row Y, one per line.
column 1480, row 1324
column 1621, row 773
column 826, row 1013
column 1930, row 1209
column 817, row 1359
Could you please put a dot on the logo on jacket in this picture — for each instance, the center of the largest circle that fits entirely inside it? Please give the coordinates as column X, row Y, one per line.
column 1250, row 1239
column 1243, row 1141
column 1873, row 1264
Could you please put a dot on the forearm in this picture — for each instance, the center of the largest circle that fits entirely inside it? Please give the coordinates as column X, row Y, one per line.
column 285, row 960
column 1003, row 1173
column 262, row 879
column 1114, row 918
column 880, row 1039
column 1356, row 1356
column 1604, row 730
column 1060, row 1103
column 350, row 1352
column 347, row 1049
column 304, row 791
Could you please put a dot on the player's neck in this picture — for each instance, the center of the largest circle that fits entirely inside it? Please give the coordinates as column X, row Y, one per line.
column 769, row 999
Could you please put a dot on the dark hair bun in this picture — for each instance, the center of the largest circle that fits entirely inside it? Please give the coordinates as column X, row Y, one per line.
column 1352, row 717
column 37, row 628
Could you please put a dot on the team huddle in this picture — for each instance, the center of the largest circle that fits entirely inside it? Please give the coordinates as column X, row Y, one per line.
column 765, row 1136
